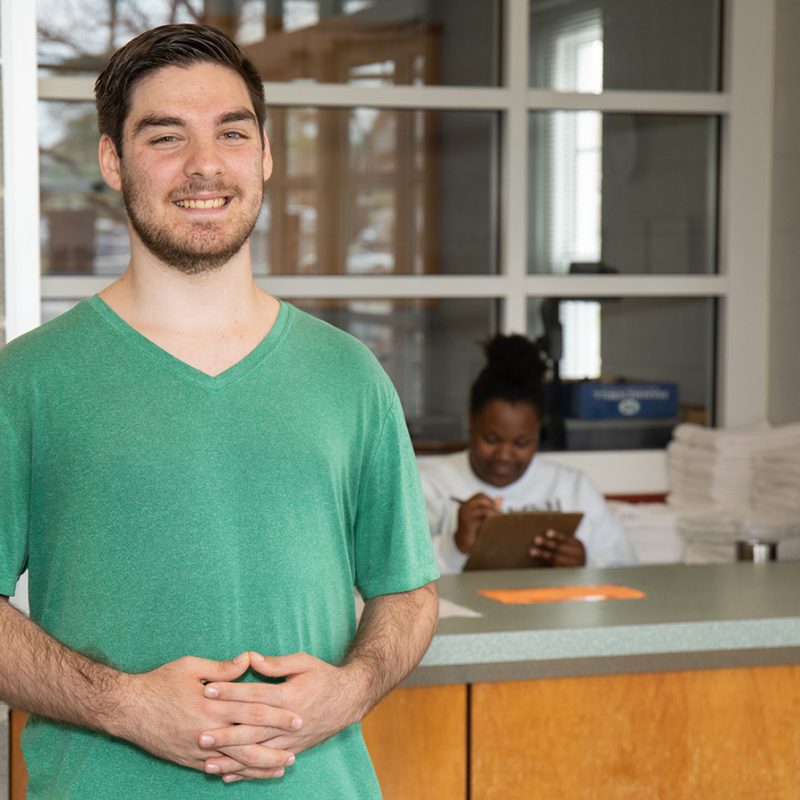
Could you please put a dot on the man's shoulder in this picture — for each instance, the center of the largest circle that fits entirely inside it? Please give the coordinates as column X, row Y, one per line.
column 319, row 343
column 48, row 342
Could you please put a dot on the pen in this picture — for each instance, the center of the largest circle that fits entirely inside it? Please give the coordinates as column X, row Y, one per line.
column 457, row 500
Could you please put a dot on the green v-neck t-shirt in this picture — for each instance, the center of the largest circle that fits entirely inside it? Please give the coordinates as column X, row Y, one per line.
column 162, row 512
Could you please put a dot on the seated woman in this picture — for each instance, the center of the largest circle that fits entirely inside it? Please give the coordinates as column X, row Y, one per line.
column 501, row 472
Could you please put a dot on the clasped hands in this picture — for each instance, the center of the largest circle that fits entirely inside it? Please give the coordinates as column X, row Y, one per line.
column 191, row 711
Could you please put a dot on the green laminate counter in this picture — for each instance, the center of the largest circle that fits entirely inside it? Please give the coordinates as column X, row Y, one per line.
column 693, row 617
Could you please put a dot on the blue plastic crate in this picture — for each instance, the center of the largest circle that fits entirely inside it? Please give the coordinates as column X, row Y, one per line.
column 620, row 400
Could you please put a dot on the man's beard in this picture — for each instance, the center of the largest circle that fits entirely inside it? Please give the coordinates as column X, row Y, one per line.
column 200, row 250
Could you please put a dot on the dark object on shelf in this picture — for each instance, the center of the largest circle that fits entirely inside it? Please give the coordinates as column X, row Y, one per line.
column 618, row 434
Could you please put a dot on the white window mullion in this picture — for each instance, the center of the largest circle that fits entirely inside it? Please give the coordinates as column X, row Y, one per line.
column 20, row 167
column 514, row 188
column 745, row 215
column 627, row 102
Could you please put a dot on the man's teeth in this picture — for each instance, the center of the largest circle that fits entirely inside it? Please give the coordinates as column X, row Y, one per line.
column 217, row 202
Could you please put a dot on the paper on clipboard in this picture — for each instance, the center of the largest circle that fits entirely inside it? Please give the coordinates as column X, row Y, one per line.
column 504, row 540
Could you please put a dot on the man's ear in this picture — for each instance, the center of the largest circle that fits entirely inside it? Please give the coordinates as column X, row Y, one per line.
column 266, row 158
column 109, row 161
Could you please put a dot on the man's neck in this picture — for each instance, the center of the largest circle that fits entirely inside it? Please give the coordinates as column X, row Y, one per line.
column 211, row 320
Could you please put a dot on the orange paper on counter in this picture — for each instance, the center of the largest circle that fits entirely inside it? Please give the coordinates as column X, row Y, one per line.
column 557, row 594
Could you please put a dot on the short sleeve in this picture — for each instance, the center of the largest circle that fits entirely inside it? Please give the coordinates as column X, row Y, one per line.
column 14, row 503
column 392, row 542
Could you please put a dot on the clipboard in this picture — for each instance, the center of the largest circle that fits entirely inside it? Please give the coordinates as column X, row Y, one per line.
column 504, row 540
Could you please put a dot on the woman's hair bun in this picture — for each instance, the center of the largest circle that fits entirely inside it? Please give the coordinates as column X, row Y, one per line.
column 514, row 372
column 514, row 358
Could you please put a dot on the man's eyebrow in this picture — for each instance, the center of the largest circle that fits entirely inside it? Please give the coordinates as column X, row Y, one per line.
column 153, row 121
column 240, row 115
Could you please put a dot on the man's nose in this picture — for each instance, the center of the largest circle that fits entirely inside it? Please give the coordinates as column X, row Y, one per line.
column 203, row 159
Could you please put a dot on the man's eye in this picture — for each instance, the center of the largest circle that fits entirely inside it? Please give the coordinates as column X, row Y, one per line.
column 233, row 135
column 522, row 443
column 164, row 139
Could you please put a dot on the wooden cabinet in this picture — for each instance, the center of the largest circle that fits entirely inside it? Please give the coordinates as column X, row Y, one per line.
column 418, row 740
column 728, row 734
column 731, row 734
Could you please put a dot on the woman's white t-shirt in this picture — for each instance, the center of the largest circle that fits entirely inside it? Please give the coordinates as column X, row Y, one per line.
column 543, row 486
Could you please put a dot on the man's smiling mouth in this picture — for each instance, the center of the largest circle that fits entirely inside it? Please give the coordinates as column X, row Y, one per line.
column 215, row 202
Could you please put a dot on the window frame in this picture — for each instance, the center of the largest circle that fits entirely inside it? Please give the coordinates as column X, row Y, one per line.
column 740, row 287
column 21, row 255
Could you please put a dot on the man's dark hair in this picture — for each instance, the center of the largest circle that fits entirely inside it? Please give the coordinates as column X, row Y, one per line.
column 514, row 372
column 167, row 46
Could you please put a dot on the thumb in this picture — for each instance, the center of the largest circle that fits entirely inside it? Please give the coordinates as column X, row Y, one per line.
column 227, row 670
column 279, row 666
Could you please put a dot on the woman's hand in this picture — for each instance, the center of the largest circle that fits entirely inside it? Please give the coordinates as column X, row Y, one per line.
column 558, row 549
column 471, row 515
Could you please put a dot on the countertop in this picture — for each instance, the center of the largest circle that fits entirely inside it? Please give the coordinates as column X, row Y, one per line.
column 692, row 617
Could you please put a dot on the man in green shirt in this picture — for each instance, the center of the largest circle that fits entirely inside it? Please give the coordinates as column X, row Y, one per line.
column 196, row 476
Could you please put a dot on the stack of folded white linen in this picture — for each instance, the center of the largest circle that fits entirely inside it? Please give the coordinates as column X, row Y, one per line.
column 776, row 484
column 776, row 487
column 735, row 484
column 652, row 531
column 716, row 466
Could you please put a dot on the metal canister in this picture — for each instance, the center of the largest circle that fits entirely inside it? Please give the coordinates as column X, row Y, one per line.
column 756, row 550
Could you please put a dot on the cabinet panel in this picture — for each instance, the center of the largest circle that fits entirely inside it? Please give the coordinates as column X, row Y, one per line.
column 417, row 737
column 18, row 774
column 716, row 734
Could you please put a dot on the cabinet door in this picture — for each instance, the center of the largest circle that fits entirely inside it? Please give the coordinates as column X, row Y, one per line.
column 731, row 734
column 417, row 738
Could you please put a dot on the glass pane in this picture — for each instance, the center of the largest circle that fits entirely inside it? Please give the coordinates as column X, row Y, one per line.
column 78, row 36
column 353, row 191
column 366, row 42
column 429, row 349
column 625, row 44
column 652, row 357
column 380, row 191
column 627, row 193
column 83, row 226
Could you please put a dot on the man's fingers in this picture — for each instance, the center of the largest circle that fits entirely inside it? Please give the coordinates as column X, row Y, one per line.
column 240, row 692
column 261, row 714
column 256, row 756
column 253, row 774
column 238, row 735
